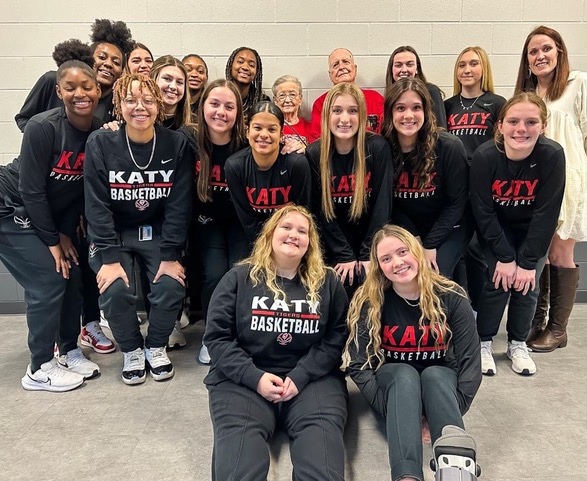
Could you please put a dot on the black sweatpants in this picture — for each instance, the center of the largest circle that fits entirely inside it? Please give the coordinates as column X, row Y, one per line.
column 410, row 394
column 220, row 244
column 91, row 309
column 53, row 304
column 492, row 301
column 449, row 253
column 119, row 302
column 243, row 421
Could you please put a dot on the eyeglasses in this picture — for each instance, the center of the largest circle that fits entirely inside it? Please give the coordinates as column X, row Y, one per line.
column 133, row 102
column 282, row 96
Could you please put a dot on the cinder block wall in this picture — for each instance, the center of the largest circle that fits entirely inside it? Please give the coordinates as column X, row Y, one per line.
column 292, row 37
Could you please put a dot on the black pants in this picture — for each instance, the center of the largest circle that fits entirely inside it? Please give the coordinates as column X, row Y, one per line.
column 53, row 303
column 492, row 301
column 119, row 302
column 476, row 267
column 243, row 421
column 91, row 309
column 409, row 395
column 220, row 244
column 449, row 253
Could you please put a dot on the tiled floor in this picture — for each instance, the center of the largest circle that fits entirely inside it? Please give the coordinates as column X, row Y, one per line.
column 527, row 429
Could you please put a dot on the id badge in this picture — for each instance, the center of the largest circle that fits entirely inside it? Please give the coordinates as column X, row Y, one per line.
column 145, row 233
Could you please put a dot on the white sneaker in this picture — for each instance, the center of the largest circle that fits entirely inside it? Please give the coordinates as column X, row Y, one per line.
column 75, row 361
column 487, row 363
column 176, row 339
column 51, row 377
column 92, row 336
column 522, row 363
column 133, row 371
column 184, row 320
column 204, row 356
column 158, row 363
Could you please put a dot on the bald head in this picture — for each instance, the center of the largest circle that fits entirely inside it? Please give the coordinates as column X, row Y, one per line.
column 341, row 66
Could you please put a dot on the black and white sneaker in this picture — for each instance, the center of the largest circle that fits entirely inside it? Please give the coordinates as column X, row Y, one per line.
column 159, row 364
column 133, row 371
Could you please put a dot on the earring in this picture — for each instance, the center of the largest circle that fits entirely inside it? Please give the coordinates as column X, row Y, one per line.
column 529, row 74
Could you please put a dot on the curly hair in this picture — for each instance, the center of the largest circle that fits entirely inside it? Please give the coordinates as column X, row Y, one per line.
column 359, row 203
column 527, row 81
column 73, row 49
column 256, row 88
column 368, row 300
column 486, row 75
column 113, row 32
column 123, row 85
column 311, row 271
column 423, row 156
column 183, row 112
column 237, row 137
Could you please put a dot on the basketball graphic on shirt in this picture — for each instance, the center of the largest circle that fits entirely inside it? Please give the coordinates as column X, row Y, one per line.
column 142, row 204
column 284, row 338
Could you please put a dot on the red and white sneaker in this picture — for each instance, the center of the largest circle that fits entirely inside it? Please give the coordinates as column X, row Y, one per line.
column 92, row 336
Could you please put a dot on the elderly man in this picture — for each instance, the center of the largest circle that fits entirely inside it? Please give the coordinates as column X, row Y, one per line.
column 342, row 68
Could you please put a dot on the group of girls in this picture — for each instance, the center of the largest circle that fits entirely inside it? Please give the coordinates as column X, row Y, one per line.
column 277, row 329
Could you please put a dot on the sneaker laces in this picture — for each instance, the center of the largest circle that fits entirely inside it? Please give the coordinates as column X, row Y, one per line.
column 94, row 330
column 158, row 353
column 133, row 360
column 519, row 351
column 56, row 370
column 75, row 357
column 486, row 349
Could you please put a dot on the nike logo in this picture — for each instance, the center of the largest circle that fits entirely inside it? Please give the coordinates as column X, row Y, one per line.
column 283, row 172
column 48, row 381
column 487, row 105
column 165, row 161
column 533, row 165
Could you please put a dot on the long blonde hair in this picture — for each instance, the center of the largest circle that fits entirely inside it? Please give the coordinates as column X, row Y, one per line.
column 359, row 203
column 370, row 296
column 486, row 77
column 311, row 271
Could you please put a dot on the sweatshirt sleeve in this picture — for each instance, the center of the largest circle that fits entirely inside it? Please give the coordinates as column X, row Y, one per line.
column 466, row 348
column 330, row 231
column 221, row 335
column 37, row 100
column 456, row 189
column 379, row 209
column 97, row 196
column 364, row 377
column 35, row 163
column 234, row 171
column 178, row 207
column 438, row 105
column 301, row 180
column 481, row 178
column 546, row 211
column 325, row 355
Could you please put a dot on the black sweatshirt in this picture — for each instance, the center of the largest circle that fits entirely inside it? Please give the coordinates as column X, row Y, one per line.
column 403, row 341
column 119, row 195
column 345, row 240
column 475, row 125
column 432, row 211
column 437, row 97
column 256, row 193
column 43, row 97
column 523, row 196
column 249, row 333
column 47, row 176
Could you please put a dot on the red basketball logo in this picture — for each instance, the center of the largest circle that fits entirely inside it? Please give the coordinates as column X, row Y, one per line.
column 284, row 338
column 141, row 204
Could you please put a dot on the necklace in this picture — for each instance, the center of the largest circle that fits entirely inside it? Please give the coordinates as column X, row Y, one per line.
column 470, row 106
column 132, row 157
column 406, row 301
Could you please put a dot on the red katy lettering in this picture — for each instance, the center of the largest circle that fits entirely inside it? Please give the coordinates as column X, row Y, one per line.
column 63, row 162
column 388, row 335
column 409, row 337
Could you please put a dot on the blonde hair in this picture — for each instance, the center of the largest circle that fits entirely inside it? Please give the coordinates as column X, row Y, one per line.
column 359, row 203
column 370, row 296
column 311, row 271
column 123, row 85
column 486, row 76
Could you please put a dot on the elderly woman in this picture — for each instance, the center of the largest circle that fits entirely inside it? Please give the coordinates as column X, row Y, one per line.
column 287, row 95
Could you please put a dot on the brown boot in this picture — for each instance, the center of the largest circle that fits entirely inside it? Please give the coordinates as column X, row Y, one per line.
column 539, row 321
column 563, row 285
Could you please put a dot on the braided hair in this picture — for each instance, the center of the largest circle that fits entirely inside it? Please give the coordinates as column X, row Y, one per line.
column 256, row 87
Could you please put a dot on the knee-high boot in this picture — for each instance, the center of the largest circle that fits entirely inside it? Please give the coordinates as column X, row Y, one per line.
column 563, row 289
column 539, row 321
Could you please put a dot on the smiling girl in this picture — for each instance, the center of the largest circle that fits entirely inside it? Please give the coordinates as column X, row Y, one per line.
column 41, row 194
column 352, row 175
column 517, row 185
column 197, row 70
column 139, row 60
column 431, row 185
column 275, row 336
column 261, row 179
column 171, row 77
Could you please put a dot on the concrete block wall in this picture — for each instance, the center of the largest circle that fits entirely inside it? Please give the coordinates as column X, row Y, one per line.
column 292, row 37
